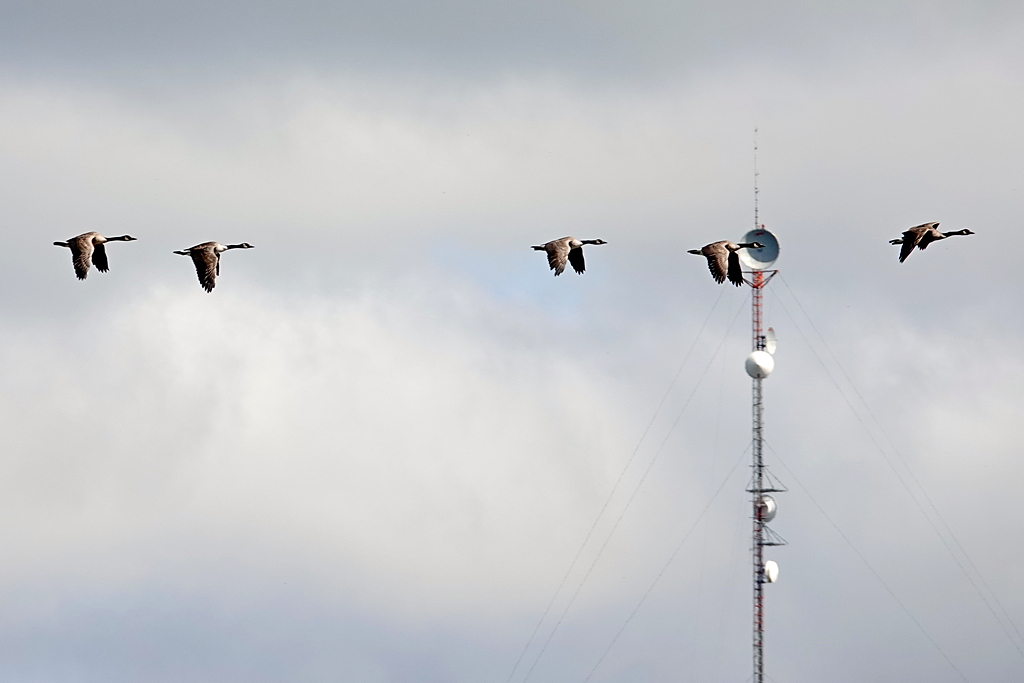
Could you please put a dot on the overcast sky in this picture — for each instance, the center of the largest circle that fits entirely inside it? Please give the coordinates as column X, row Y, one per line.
column 373, row 453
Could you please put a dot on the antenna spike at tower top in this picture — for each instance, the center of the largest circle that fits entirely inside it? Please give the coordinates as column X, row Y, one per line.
column 757, row 220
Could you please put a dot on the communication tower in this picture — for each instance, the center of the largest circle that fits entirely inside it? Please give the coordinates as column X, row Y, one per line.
column 759, row 365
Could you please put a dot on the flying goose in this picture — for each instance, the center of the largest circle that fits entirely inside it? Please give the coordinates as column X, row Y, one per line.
column 921, row 236
column 206, row 257
column 88, row 249
column 723, row 259
column 566, row 248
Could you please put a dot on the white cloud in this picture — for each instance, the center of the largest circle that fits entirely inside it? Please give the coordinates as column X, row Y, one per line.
column 414, row 451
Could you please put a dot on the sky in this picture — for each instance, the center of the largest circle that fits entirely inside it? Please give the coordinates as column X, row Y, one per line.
column 390, row 447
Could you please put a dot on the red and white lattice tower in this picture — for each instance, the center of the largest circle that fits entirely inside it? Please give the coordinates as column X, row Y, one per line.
column 759, row 365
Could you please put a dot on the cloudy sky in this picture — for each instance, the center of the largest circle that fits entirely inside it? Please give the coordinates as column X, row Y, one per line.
column 390, row 447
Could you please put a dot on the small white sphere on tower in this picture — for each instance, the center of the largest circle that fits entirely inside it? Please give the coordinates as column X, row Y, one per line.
column 760, row 364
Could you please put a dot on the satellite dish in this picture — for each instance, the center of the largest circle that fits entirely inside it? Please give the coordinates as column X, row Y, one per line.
column 769, row 341
column 771, row 571
column 766, row 508
column 760, row 259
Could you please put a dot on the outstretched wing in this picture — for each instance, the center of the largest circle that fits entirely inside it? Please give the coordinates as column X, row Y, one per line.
column 909, row 242
column 930, row 235
column 99, row 258
column 205, row 261
column 717, row 256
column 912, row 238
column 81, row 255
column 576, row 259
column 735, row 269
column 558, row 253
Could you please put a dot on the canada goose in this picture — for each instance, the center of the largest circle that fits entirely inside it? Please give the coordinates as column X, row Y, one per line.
column 921, row 236
column 206, row 257
column 566, row 248
column 723, row 259
column 88, row 249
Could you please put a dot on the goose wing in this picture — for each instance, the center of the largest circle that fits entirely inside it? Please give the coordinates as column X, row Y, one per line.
column 576, row 259
column 735, row 269
column 81, row 254
column 908, row 245
column 718, row 260
column 558, row 253
column 99, row 258
column 206, row 261
column 912, row 238
column 930, row 235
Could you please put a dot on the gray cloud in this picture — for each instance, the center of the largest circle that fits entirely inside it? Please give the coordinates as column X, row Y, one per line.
column 593, row 39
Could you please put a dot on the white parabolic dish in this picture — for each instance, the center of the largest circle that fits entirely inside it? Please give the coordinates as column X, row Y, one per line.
column 767, row 507
column 760, row 259
column 760, row 364
column 770, row 343
column 771, row 571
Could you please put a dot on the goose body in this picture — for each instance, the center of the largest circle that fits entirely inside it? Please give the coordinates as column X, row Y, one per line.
column 87, row 250
column 724, row 259
column 206, row 257
column 921, row 236
column 567, row 249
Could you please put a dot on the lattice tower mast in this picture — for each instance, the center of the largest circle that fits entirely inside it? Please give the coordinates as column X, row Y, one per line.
column 759, row 366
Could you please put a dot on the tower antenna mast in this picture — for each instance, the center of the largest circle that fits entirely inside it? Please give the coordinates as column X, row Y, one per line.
column 759, row 365
column 757, row 220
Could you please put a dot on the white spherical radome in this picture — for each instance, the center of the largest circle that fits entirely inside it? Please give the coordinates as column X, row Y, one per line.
column 760, row 364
